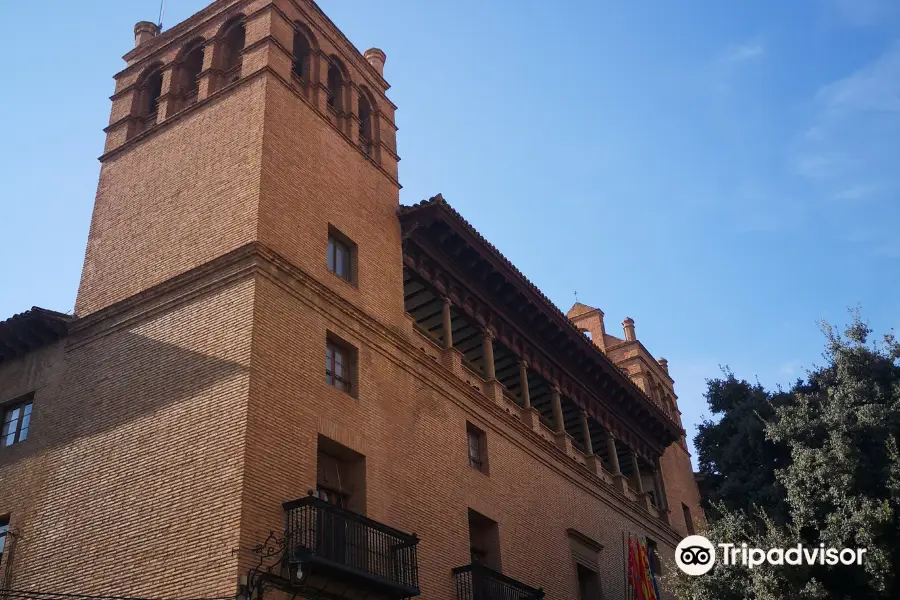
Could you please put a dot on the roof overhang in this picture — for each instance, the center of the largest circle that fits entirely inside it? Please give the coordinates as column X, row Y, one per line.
column 31, row 330
column 434, row 228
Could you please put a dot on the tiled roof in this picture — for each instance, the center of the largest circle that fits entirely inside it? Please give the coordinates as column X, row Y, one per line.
column 30, row 330
column 438, row 203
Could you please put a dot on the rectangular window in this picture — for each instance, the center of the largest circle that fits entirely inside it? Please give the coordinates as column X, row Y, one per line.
column 16, row 421
column 688, row 520
column 477, row 447
column 340, row 365
column 341, row 256
column 4, row 531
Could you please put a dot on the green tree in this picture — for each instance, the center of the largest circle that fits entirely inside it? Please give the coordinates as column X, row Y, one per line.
column 840, row 486
column 737, row 461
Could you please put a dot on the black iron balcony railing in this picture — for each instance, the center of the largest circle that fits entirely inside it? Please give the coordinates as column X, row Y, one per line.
column 331, row 541
column 477, row 582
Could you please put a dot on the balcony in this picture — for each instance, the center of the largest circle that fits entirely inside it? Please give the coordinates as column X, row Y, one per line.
column 477, row 582
column 343, row 554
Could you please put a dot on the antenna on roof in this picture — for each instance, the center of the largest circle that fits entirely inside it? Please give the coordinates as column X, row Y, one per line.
column 162, row 12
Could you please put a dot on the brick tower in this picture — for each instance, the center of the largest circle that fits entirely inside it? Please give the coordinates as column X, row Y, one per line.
column 652, row 376
column 250, row 122
column 243, row 144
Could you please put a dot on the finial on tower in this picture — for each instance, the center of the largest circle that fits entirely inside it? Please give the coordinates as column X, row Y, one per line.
column 144, row 31
column 628, row 326
column 376, row 58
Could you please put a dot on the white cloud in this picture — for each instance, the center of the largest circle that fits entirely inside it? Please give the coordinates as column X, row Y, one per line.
column 743, row 52
column 846, row 153
column 860, row 191
column 875, row 87
column 818, row 166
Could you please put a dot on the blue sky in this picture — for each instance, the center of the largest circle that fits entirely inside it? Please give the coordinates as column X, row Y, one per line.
column 725, row 173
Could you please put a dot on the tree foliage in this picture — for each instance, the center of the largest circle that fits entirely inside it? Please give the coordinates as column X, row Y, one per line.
column 737, row 461
column 817, row 465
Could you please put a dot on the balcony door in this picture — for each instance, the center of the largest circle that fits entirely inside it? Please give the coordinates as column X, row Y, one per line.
column 341, row 536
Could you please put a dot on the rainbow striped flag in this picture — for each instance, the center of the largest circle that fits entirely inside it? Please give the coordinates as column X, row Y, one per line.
column 640, row 574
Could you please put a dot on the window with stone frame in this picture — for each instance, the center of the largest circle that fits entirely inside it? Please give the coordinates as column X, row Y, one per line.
column 586, row 558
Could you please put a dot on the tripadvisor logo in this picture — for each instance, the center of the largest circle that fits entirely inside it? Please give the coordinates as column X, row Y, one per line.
column 696, row 555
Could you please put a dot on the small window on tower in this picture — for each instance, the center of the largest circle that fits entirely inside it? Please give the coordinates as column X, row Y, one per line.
column 340, row 365
column 189, row 73
column 154, row 91
column 146, row 108
column 364, row 110
column 341, row 256
column 235, row 39
column 335, row 86
column 302, row 53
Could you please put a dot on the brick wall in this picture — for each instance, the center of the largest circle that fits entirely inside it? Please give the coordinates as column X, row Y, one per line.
column 409, row 421
column 314, row 177
column 675, row 464
column 176, row 199
column 130, row 479
column 678, row 477
column 23, row 467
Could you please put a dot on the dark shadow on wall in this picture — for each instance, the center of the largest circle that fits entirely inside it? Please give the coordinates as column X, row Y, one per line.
column 130, row 483
column 116, row 380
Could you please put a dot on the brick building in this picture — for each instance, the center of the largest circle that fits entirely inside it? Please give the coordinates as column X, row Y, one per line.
column 265, row 341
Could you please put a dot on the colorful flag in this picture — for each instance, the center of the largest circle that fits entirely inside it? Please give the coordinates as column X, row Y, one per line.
column 648, row 587
column 654, row 569
column 634, row 573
